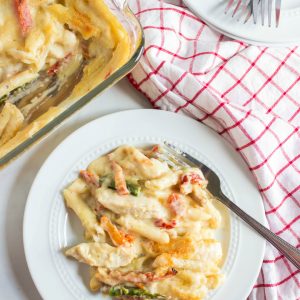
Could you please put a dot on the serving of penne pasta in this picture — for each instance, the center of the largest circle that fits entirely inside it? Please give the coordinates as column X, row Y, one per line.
column 149, row 227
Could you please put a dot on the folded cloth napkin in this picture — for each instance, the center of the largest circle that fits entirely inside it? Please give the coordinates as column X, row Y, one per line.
column 251, row 96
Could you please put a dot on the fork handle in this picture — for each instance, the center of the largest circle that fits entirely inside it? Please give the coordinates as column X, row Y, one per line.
column 290, row 252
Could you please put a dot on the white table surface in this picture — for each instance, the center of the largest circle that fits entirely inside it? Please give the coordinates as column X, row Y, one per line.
column 16, row 179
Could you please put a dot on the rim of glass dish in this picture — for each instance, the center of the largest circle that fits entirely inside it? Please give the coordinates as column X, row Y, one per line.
column 78, row 104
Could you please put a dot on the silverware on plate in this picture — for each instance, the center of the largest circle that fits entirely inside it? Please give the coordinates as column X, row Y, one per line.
column 255, row 8
column 175, row 157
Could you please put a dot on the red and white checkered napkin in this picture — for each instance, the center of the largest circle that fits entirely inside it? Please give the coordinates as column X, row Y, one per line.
column 251, row 96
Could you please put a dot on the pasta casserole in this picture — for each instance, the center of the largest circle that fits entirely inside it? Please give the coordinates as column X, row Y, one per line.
column 149, row 227
column 52, row 52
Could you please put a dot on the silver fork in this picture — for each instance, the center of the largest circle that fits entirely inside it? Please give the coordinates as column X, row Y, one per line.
column 239, row 5
column 259, row 8
column 175, row 157
column 255, row 8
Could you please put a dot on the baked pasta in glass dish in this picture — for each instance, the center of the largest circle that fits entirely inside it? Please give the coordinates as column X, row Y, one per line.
column 56, row 55
column 149, row 227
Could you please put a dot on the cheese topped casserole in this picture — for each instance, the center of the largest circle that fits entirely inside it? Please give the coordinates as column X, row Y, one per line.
column 52, row 52
column 149, row 227
column 34, row 45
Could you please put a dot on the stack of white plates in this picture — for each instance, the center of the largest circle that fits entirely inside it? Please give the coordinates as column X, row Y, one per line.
column 287, row 34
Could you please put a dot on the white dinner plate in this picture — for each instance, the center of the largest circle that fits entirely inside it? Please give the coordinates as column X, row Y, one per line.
column 49, row 227
column 287, row 34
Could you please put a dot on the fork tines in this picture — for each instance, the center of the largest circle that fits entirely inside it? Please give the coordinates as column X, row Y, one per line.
column 238, row 8
column 256, row 8
column 277, row 10
column 171, row 156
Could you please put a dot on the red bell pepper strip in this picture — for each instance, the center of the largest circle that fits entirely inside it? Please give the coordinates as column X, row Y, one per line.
column 24, row 16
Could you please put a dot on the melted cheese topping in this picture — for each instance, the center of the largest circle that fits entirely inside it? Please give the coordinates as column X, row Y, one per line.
column 46, row 43
column 61, row 33
column 154, row 228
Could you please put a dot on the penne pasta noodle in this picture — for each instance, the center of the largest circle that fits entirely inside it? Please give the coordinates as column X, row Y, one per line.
column 86, row 216
column 146, row 230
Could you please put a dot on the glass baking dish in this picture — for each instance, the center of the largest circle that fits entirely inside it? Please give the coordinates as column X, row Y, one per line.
column 120, row 9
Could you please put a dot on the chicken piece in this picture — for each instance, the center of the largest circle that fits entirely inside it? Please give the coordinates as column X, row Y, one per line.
column 141, row 207
column 164, row 182
column 104, row 255
column 101, row 166
column 138, row 164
